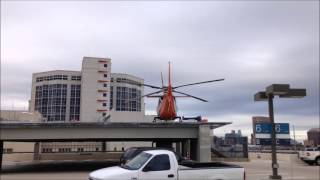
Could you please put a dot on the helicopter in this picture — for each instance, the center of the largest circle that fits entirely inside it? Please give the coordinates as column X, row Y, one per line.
column 167, row 107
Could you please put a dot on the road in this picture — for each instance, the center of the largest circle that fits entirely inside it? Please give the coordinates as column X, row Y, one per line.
column 70, row 170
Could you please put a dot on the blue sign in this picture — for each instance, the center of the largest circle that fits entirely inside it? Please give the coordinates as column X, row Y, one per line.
column 267, row 142
column 265, row 128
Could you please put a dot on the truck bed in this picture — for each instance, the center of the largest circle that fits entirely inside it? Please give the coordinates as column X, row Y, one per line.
column 210, row 171
column 206, row 165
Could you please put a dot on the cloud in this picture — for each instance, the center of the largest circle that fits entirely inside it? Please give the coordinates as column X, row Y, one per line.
column 251, row 44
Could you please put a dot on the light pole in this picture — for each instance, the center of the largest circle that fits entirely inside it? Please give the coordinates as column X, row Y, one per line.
column 283, row 91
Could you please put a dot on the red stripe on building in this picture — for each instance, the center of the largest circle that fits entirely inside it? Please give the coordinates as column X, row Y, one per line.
column 102, row 61
column 101, row 100
column 102, row 81
column 102, row 110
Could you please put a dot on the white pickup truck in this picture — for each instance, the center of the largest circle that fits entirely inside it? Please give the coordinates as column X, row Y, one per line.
column 310, row 155
column 162, row 165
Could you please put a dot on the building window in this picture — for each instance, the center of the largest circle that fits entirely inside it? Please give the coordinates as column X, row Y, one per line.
column 104, row 104
column 70, row 147
column 104, row 94
column 104, row 114
column 50, row 101
column 105, row 65
column 7, row 150
column 128, row 99
column 105, row 85
column 76, row 78
column 75, row 102
column 111, row 97
column 54, row 77
column 128, row 81
column 47, row 150
column 105, row 75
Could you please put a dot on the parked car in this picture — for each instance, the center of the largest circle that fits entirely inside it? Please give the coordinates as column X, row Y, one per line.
column 163, row 164
column 310, row 155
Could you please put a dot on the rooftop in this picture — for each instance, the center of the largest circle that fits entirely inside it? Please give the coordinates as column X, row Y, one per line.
column 8, row 125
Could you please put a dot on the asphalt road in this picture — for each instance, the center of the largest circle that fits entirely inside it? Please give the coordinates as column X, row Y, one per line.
column 79, row 170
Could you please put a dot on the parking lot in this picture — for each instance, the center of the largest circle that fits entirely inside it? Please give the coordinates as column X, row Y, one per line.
column 294, row 169
column 256, row 169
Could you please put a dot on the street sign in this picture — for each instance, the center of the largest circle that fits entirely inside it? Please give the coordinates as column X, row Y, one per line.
column 268, row 136
column 267, row 142
column 265, row 128
column 263, row 134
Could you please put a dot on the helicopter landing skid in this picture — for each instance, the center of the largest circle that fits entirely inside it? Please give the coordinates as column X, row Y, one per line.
column 166, row 120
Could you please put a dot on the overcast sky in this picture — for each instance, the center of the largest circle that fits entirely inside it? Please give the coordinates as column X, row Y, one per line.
column 251, row 44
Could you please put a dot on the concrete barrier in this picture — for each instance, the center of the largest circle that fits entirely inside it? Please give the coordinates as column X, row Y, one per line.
column 18, row 157
column 215, row 159
column 112, row 156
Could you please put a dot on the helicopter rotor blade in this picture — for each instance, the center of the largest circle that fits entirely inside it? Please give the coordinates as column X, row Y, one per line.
column 197, row 83
column 162, row 80
column 157, row 96
column 154, row 96
column 148, row 85
column 141, row 84
column 146, row 95
column 200, row 99
column 151, row 93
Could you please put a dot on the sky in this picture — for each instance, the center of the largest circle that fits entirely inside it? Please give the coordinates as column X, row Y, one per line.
column 251, row 44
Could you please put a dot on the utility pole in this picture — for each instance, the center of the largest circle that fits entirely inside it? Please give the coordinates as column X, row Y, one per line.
column 275, row 164
column 294, row 138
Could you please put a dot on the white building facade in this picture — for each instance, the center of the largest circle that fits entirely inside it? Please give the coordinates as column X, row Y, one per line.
column 51, row 95
column 93, row 94
column 126, row 104
column 95, row 89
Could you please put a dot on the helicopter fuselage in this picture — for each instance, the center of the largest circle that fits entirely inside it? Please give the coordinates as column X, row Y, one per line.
column 167, row 109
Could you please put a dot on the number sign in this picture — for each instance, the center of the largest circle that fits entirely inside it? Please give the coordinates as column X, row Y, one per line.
column 267, row 142
column 265, row 128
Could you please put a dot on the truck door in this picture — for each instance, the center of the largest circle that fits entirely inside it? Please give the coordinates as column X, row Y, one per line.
column 159, row 168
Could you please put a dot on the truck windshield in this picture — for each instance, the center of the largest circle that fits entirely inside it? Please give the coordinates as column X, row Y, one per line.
column 137, row 161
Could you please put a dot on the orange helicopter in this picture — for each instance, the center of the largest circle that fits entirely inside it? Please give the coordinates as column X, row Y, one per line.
column 167, row 109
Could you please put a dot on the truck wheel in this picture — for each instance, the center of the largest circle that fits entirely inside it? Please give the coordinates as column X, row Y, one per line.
column 318, row 161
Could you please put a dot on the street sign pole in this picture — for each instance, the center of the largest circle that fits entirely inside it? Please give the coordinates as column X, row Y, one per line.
column 283, row 91
column 275, row 165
